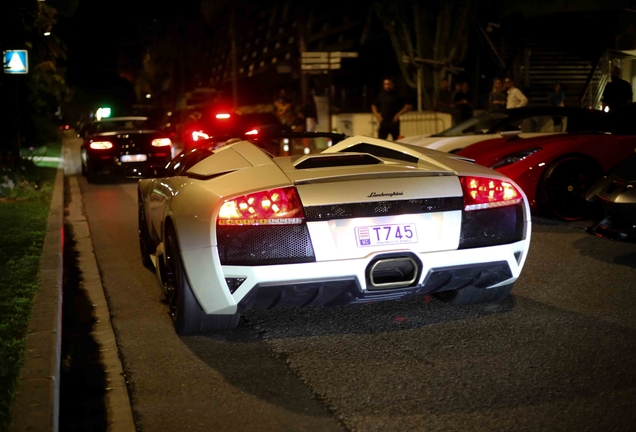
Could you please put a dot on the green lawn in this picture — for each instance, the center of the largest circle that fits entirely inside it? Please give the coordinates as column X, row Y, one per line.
column 23, row 217
column 46, row 156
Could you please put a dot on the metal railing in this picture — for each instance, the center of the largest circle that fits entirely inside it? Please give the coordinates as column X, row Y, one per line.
column 599, row 77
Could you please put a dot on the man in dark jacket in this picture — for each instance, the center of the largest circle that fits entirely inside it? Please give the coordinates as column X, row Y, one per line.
column 618, row 92
column 387, row 108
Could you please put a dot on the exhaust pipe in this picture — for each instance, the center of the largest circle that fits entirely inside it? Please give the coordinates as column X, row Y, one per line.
column 392, row 272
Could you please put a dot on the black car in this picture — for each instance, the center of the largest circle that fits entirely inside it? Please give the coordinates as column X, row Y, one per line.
column 123, row 147
column 217, row 122
column 615, row 194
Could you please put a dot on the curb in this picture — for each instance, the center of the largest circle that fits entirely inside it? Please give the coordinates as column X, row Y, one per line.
column 37, row 401
column 119, row 410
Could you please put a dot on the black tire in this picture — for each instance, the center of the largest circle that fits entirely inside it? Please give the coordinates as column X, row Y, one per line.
column 187, row 315
column 565, row 184
column 91, row 176
column 146, row 245
column 472, row 295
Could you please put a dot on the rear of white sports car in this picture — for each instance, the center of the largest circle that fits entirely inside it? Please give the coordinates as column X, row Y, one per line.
column 347, row 226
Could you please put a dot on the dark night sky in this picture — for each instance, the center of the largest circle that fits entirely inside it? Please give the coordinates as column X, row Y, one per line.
column 97, row 30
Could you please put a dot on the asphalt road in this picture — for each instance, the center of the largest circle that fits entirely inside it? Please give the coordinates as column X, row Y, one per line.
column 558, row 355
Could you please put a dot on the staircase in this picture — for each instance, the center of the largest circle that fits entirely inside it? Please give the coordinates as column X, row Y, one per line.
column 548, row 65
column 598, row 79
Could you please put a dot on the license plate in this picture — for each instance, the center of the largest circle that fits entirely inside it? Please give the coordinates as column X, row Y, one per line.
column 378, row 235
column 133, row 158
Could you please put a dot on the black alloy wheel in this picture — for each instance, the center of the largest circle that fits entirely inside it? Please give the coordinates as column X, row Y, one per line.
column 565, row 184
column 146, row 246
column 188, row 316
column 170, row 277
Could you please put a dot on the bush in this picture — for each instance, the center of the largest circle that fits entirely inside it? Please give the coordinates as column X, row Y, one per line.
column 29, row 182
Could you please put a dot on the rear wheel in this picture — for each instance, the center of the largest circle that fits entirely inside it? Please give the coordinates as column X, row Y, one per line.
column 188, row 316
column 472, row 295
column 145, row 243
column 565, row 185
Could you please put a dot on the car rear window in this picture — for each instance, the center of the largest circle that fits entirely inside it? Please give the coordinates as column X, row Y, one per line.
column 123, row 125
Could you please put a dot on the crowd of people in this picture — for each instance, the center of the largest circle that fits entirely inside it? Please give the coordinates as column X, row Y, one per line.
column 504, row 95
column 388, row 105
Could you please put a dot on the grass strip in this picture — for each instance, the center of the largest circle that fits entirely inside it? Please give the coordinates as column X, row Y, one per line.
column 23, row 220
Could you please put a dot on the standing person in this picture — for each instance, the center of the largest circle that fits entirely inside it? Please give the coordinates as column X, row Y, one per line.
column 497, row 99
column 283, row 109
column 618, row 92
column 556, row 97
column 309, row 112
column 387, row 108
column 467, row 105
column 443, row 97
column 516, row 98
column 460, row 101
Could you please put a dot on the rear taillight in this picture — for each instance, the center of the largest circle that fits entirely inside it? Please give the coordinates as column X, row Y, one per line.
column 252, row 132
column 101, row 145
column 222, row 116
column 482, row 193
column 280, row 206
column 199, row 135
column 161, row 142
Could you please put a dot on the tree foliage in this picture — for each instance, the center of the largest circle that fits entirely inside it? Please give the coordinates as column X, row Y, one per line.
column 431, row 35
column 32, row 100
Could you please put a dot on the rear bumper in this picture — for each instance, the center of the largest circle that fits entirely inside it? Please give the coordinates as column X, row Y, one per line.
column 346, row 291
column 113, row 167
column 344, row 281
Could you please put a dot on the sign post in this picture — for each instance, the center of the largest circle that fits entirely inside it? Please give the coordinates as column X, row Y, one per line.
column 323, row 62
column 16, row 62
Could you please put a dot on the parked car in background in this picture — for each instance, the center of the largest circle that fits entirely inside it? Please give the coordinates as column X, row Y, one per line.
column 208, row 123
column 615, row 194
column 232, row 228
column 278, row 143
column 555, row 171
column 121, row 147
column 528, row 121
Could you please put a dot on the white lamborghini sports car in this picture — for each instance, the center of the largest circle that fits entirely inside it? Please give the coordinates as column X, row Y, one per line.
column 232, row 229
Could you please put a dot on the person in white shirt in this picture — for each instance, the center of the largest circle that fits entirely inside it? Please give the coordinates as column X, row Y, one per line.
column 516, row 98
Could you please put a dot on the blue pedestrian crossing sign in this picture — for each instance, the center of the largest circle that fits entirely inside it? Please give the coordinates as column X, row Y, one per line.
column 16, row 62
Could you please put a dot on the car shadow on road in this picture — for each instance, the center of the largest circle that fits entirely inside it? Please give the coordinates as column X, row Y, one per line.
column 246, row 359
column 607, row 250
column 389, row 316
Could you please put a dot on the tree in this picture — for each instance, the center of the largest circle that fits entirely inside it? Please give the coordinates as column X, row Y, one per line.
column 176, row 58
column 234, row 14
column 428, row 37
column 38, row 95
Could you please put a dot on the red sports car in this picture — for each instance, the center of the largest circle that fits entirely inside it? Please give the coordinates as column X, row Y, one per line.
column 555, row 171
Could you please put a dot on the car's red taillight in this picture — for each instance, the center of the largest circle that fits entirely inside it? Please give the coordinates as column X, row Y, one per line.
column 101, row 145
column 280, row 206
column 222, row 116
column 252, row 132
column 482, row 193
column 161, row 142
column 197, row 135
